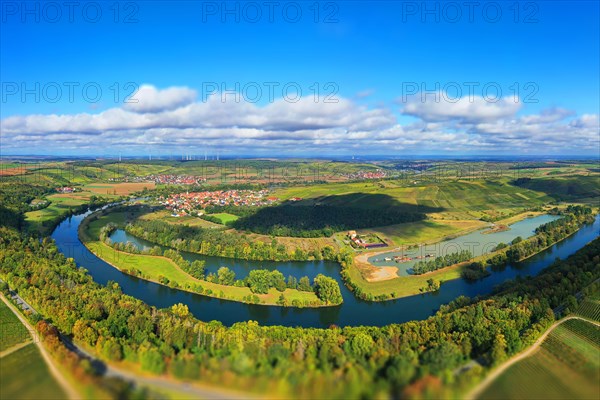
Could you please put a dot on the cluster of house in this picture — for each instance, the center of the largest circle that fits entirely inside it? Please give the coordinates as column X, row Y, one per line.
column 360, row 242
column 65, row 189
column 378, row 174
column 187, row 203
column 163, row 179
column 176, row 179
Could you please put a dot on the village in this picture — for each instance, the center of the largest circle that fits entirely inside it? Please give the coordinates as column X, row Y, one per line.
column 163, row 179
column 66, row 189
column 176, row 179
column 360, row 175
column 182, row 204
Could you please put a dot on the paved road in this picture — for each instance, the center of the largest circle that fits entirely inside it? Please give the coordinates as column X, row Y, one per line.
column 37, row 340
column 475, row 393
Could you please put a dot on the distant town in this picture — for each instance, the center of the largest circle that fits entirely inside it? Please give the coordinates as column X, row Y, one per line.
column 379, row 174
column 163, row 179
column 182, row 204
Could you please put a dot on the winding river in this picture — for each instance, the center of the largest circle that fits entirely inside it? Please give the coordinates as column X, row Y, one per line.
column 352, row 312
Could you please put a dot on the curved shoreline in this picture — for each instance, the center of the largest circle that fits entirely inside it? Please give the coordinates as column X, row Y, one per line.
column 407, row 286
column 403, row 289
column 86, row 241
column 353, row 312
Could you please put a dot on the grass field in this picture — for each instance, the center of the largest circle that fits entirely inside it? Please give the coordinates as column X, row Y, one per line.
column 224, row 217
column 25, row 375
column 567, row 366
column 12, row 331
column 291, row 243
column 165, row 216
column 406, row 285
column 154, row 267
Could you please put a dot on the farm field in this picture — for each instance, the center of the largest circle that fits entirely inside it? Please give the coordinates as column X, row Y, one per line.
column 12, row 331
column 590, row 308
column 291, row 243
column 25, row 375
column 60, row 205
column 565, row 188
column 23, row 372
column 567, row 366
column 119, row 189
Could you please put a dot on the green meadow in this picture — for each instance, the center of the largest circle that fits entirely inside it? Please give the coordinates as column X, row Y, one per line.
column 224, row 217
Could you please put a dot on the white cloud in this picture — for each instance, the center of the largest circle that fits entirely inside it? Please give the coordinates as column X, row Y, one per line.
column 149, row 99
column 441, row 107
column 587, row 121
column 171, row 120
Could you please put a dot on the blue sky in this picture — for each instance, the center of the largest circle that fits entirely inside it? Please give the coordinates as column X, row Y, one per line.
column 367, row 54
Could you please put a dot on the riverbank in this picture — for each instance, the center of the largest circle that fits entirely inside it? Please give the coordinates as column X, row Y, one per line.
column 160, row 269
column 382, row 283
column 373, row 274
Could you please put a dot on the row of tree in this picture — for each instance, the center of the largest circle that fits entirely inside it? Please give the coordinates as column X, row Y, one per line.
column 423, row 267
column 546, row 235
column 550, row 233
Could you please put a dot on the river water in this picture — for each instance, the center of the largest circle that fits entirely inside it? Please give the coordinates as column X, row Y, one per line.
column 478, row 243
column 352, row 312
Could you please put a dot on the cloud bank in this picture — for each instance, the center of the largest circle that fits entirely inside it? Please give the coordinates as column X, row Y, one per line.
column 173, row 120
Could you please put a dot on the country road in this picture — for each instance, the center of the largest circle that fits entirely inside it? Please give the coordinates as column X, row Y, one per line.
column 479, row 389
column 197, row 390
column 107, row 370
column 58, row 376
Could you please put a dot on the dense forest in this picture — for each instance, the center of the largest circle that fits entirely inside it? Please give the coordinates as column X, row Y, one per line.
column 320, row 220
